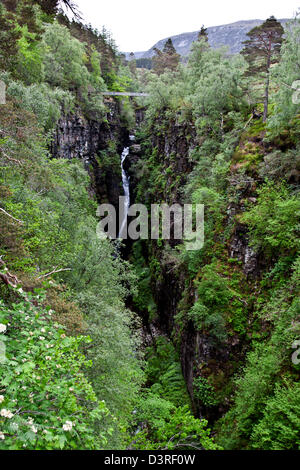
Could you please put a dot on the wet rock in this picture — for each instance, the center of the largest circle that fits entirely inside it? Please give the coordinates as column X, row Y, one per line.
column 79, row 137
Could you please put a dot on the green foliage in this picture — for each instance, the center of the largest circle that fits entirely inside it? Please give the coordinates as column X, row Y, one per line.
column 46, row 401
column 268, row 367
column 176, row 429
column 30, row 66
column 143, row 298
column 279, row 427
column 281, row 165
column 204, row 318
column 204, row 392
column 218, row 304
column 58, row 231
column 8, row 39
column 45, row 102
column 59, row 44
column 285, row 74
column 167, row 59
column 263, row 46
column 164, row 374
column 153, row 410
column 204, row 141
column 274, row 221
column 72, row 74
column 215, row 87
column 144, row 63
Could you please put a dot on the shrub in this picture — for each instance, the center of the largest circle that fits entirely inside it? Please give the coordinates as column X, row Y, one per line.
column 274, row 220
column 46, row 401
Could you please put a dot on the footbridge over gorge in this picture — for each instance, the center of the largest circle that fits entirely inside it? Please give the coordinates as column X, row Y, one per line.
column 123, row 93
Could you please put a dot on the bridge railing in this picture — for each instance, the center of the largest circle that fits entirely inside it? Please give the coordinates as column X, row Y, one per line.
column 123, row 93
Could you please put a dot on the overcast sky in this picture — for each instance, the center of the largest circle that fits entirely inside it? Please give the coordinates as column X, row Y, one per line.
column 136, row 25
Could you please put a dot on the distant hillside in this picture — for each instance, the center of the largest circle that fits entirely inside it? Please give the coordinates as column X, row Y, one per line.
column 231, row 35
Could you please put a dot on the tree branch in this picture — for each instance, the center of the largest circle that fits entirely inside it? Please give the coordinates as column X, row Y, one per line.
column 8, row 278
column 55, row 270
column 6, row 213
column 10, row 159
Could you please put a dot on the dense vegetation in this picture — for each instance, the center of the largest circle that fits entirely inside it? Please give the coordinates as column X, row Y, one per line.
column 239, row 299
column 75, row 373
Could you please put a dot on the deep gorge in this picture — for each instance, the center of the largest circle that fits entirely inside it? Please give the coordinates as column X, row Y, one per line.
column 82, row 139
column 143, row 344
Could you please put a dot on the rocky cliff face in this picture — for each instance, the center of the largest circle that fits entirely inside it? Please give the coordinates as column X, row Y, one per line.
column 78, row 137
column 231, row 35
column 172, row 147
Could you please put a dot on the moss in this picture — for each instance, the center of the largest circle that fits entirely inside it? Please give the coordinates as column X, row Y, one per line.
column 164, row 374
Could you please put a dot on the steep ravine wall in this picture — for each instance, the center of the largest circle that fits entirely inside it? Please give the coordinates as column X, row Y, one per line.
column 173, row 146
column 79, row 137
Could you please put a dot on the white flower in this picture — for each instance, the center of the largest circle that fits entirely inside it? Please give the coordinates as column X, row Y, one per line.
column 2, row 436
column 2, row 328
column 41, row 338
column 6, row 413
column 48, row 358
column 43, row 330
column 30, row 421
column 34, row 429
column 68, row 426
column 21, row 291
column 1, row 398
column 27, row 318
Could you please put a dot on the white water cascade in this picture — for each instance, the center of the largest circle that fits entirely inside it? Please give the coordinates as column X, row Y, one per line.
column 126, row 188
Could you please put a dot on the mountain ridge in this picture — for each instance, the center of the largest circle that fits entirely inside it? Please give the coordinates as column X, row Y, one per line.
column 231, row 35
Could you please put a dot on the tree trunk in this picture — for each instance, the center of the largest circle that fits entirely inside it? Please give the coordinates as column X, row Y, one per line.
column 266, row 98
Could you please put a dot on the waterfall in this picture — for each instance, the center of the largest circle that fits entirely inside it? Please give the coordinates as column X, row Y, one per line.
column 126, row 188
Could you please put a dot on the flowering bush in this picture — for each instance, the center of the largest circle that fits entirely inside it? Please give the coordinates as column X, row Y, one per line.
column 46, row 401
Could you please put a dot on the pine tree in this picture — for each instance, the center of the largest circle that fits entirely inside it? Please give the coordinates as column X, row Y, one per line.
column 132, row 63
column 167, row 59
column 203, row 34
column 169, row 47
column 262, row 50
column 9, row 37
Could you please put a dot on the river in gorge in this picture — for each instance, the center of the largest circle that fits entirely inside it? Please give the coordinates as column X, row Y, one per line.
column 126, row 188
